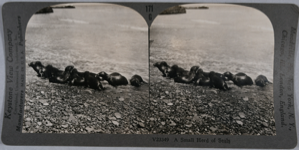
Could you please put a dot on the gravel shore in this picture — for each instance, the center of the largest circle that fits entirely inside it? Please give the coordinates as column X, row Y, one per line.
column 178, row 108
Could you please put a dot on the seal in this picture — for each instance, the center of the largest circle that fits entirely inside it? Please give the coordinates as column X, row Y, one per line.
column 77, row 78
column 187, row 78
column 176, row 71
column 37, row 67
column 162, row 66
column 217, row 82
column 115, row 79
column 49, row 71
column 92, row 81
column 201, row 78
column 261, row 81
column 136, row 80
column 62, row 78
column 240, row 79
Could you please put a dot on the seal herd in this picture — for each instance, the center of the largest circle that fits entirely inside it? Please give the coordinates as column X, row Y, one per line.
column 213, row 79
column 194, row 76
column 73, row 77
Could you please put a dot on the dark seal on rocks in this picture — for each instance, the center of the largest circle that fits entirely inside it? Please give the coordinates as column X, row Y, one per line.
column 37, row 67
column 77, row 78
column 217, row 82
column 115, row 79
column 162, row 66
column 62, row 78
column 187, row 78
column 92, row 81
column 136, row 80
column 176, row 71
column 202, row 78
column 49, row 71
column 261, row 81
column 240, row 79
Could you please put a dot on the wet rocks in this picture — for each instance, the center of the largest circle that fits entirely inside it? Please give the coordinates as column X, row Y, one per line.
column 201, row 110
column 173, row 109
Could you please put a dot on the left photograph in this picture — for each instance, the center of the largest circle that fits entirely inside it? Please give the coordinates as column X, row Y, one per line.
column 86, row 70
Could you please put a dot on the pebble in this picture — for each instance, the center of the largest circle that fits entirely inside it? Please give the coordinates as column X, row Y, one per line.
column 43, row 101
column 98, row 131
column 169, row 104
column 38, row 114
column 189, row 125
column 236, row 118
column 214, row 101
column 196, row 118
column 45, row 104
column 245, row 99
column 121, row 99
column 112, row 118
column 265, row 124
column 213, row 129
column 27, row 107
column 214, row 91
column 115, row 123
column 49, row 124
column 65, row 125
column 27, row 124
column 117, row 115
column 88, row 91
column 72, row 118
column 141, row 124
column 239, row 122
column 39, row 123
column 241, row 114
column 89, row 129
column 172, row 123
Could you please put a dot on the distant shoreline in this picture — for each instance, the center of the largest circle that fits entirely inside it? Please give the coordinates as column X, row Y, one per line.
column 66, row 6
column 180, row 9
column 47, row 10
column 200, row 7
column 174, row 10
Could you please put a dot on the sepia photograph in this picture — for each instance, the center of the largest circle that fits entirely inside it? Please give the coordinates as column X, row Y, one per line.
column 86, row 70
column 150, row 74
column 211, row 71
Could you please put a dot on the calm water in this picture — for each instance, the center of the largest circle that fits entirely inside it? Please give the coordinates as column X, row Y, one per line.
column 96, row 38
column 222, row 38
column 114, row 38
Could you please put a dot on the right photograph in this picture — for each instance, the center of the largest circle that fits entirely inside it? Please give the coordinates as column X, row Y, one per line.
column 211, row 71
